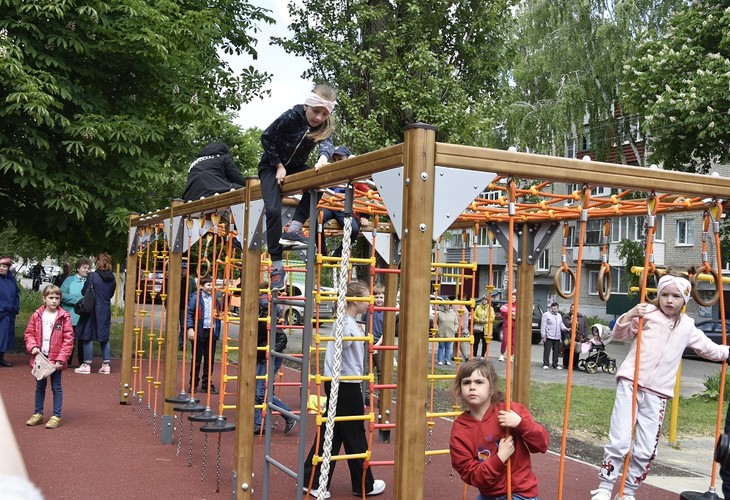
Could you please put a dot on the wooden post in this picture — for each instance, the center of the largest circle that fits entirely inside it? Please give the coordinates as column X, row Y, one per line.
column 419, row 154
column 523, row 341
column 248, row 334
column 130, row 299
column 172, row 319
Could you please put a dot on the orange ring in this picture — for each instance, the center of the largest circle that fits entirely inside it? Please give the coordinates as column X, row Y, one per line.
column 558, row 287
column 604, row 274
column 695, row 293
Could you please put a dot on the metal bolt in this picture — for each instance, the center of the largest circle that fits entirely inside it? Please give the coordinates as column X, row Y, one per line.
column 422, row 227
column 244, row 486
column 408, row 181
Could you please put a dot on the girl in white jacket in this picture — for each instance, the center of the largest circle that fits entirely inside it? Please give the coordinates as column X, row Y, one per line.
column 665, row 333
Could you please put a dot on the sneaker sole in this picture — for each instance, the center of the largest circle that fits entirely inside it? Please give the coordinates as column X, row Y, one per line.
column 293, row 245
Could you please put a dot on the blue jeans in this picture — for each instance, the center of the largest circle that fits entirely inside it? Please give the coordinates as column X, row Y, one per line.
column 40, row 393
column 106, row 351
column 444, row 352
column 261, row 391
column 515, row 496
column 339, row 216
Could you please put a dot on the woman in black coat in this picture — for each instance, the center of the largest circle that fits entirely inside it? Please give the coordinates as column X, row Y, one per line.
column 97, row 325
column 212, row 172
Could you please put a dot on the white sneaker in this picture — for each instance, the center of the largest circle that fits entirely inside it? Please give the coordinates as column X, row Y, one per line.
column 559, row 367
column 315, row 493
column 501, row 357
column 378, row 488
column 600, row 494
column 440, row 362
column 545, row 367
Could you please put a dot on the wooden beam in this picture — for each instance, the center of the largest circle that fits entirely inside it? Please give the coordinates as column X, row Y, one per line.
column 418, row 192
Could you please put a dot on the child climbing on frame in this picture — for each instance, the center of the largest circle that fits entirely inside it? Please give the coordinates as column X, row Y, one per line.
column 486, row 435
column 287, row 144
column 666, row 332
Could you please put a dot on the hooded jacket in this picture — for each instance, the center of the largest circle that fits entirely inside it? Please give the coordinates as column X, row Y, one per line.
column 97, row 325
column 62, row 336
column 662, row 345
column 474, row 445
column 212, row 172
column 285, row 141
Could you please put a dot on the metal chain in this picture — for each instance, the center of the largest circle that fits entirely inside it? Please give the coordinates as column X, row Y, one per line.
column 149, row 412
column 335, row 387
column 139, row 408
column 190, row 447
column 154, row 423
column 179, row 434
column 205, row 457
column 218, row 466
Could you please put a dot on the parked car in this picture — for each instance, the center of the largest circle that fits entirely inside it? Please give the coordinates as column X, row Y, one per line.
column 536, row 318
column 713, row 330
column 294, row 313
column 51, row 273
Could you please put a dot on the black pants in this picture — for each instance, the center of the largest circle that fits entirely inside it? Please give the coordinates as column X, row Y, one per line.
column 351, row 434
column 554, row 345
column 203, row 358
column 271, row 194
column 479, row 339
column 725, row 473
column 566, row 356
column 78, row 346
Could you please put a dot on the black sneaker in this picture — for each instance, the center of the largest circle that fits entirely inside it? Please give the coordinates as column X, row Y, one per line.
column 277, row 280
column 213, row 390
column 290, row 423
column 294, row 240
column 258, row 431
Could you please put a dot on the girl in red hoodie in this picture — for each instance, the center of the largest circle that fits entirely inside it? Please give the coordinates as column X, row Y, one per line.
column 49, row 331
column 480, row 445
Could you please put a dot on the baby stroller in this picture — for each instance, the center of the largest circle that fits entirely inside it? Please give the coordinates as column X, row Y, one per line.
column 595, row 348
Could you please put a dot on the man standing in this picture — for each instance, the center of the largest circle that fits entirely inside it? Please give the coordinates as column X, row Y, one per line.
column 581, row 335
column 551, row 328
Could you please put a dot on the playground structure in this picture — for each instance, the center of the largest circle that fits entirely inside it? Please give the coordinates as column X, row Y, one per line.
column 424, row 188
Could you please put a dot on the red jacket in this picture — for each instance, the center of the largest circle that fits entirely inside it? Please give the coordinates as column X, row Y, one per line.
column 62, row 336
column 474, row 446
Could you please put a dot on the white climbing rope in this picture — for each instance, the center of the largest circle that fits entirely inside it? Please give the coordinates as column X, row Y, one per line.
column 341, row 284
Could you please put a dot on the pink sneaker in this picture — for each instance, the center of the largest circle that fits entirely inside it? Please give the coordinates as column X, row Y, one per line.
column 84, row 369
column 105, row 370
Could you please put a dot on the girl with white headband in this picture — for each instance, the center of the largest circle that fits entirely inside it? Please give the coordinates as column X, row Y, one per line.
column 666, row 332
column 287, row 144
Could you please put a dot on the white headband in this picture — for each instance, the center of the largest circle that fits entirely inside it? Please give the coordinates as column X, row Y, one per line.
column 314, row 100
column 682, row 284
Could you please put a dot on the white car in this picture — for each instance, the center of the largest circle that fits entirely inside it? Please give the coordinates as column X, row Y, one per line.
column 293, row 295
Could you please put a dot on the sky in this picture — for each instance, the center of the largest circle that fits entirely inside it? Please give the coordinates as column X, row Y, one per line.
column 287, row 86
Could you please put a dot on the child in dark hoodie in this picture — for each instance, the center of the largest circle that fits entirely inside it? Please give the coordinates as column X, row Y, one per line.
column 212, row 172
column 287, row 144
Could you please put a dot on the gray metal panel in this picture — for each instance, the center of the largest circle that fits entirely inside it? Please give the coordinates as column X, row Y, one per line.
column 390, row 187
column 454, row 190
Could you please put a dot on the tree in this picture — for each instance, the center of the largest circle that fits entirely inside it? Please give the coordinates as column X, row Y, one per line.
column 564, row 86
column 102, row 103
column 400, row 62
column 679, row 82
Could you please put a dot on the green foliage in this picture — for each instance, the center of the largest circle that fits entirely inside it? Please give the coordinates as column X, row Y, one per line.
column 632, row 253
column 712, row 387
column 396, row 63
column 103, row 104
column 564, row 85
column 679, row 81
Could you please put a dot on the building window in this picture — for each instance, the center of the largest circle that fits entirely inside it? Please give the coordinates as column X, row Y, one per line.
column 659, row 227
column 566, row 282
column 449, row 275
column 685, row 237
column 497, row 277
column 543, row 263
column 592, row 282
column 570, row 148
column 618, row 284
column 594, row 231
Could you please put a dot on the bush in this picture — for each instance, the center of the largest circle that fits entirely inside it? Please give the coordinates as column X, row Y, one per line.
column 712, row 387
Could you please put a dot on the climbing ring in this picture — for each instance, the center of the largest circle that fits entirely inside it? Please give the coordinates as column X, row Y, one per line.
column 205, row 264
column 604, row 282
column 559, row 287
column 695, row 292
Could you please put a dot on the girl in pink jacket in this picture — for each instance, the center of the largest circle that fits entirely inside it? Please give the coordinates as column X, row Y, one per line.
column 49, row 331
column 665, row 333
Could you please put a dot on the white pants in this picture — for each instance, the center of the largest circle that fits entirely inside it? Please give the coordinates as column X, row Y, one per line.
column 650, row 411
